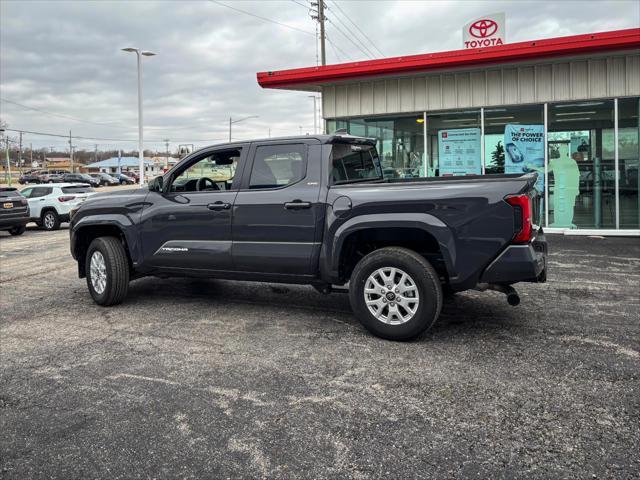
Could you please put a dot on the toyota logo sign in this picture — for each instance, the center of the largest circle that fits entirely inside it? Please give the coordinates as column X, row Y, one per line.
column 483, row 28
column 487, row 31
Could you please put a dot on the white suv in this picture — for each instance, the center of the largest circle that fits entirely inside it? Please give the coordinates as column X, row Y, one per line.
column 50, row 205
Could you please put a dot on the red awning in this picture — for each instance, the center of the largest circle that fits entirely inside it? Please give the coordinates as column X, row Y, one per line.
column 304, row 78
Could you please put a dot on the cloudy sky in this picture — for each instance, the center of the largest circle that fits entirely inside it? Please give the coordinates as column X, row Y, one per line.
column 62, row 68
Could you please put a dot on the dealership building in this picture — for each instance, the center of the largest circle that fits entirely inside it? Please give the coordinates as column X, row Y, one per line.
column 565, row 107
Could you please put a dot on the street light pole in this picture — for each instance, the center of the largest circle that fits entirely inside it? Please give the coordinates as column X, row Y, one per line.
column 139, row 55
column 166, row 143
column 71, row 153
column 315, row 114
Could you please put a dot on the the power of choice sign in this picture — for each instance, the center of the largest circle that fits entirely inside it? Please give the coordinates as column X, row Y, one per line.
column 487, row 31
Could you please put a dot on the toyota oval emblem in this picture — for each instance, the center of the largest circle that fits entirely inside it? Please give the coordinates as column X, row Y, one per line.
column 483, row 28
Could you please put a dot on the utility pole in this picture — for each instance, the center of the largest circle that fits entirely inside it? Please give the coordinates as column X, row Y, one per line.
column 166, row 144
column 323, row 58
column 7, row 172
column 230, row 123
column 320, row 19
column 71, row 152
column 20, row 154
column 95, row 153
column 31, row 152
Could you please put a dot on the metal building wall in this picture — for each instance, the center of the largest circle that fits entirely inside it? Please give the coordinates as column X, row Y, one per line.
column 577, row 79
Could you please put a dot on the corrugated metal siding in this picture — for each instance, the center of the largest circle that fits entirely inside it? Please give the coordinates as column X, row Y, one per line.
column 578, row 79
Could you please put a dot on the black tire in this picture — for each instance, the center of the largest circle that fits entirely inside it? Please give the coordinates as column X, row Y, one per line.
column 17, row 230
column 425, row 279
column 50, row 220
column 116, row 270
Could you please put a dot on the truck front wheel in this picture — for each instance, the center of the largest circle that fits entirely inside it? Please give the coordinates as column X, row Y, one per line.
column 395, row 293
column 107, row 271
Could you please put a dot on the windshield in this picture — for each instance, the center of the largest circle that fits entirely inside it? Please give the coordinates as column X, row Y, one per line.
column 355, row 163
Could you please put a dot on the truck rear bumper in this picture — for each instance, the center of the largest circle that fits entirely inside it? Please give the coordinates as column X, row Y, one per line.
column 519, row 263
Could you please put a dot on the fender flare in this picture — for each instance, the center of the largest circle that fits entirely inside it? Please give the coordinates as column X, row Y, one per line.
column 423, row 221
column 120, row 221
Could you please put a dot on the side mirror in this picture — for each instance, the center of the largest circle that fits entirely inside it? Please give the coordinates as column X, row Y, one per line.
column 156, row 184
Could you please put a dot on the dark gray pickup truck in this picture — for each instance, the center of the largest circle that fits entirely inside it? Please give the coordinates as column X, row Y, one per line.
column 316, row 210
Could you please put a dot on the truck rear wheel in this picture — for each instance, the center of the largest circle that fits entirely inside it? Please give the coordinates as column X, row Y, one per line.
column 395, row 293
column 107, row 271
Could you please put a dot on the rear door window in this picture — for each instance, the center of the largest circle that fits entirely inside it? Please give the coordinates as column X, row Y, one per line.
column 40, row 192
column 276, row 166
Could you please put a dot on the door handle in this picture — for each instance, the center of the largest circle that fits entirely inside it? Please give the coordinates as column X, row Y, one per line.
column 219, row 206
column 297, row 205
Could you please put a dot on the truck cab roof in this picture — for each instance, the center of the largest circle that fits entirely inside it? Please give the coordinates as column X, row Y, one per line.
column 320, row 138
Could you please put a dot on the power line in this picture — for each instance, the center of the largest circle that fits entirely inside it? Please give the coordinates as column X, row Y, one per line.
column 67, row 136
column 349, row 38
column 336, row 47
column 350, row 30
column 334, row 2
column 301, row 4
column 262, row 18
column 109, row 139
column 60, row 115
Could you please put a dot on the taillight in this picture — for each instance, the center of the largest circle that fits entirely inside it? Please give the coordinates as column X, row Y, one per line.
column 66, row 198
column 523, row 223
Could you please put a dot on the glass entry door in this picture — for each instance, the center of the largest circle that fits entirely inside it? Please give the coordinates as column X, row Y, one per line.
column 581, row 165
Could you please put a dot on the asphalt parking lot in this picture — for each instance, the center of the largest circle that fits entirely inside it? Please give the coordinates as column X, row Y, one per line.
column 216, row 379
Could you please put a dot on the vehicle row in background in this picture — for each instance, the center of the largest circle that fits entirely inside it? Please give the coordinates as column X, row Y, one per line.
column 93, row 179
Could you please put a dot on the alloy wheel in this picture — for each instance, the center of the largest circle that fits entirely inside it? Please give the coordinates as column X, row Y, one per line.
column 49, row 221
column 391, row 295
column 98, row 272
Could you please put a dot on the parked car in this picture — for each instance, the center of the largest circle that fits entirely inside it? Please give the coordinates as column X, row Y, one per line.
column 105, row 178
column 14, row 211
column 50, row 205
column 80, row 178
column 123, row 179
column 132, row 175
column 316, row 210
column 32, row 176
column 52, row 176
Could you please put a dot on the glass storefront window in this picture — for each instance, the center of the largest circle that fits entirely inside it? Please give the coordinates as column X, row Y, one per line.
column 581, row 165
column 495, row 120
column 629, row 161
column 454, row 143
column 581, row 154
column 400, row 142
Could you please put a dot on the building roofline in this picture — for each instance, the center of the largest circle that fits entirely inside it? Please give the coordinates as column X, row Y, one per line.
column 303, row 78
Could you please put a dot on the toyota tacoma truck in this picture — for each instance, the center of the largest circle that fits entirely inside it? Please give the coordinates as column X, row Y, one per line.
column 317, row 210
